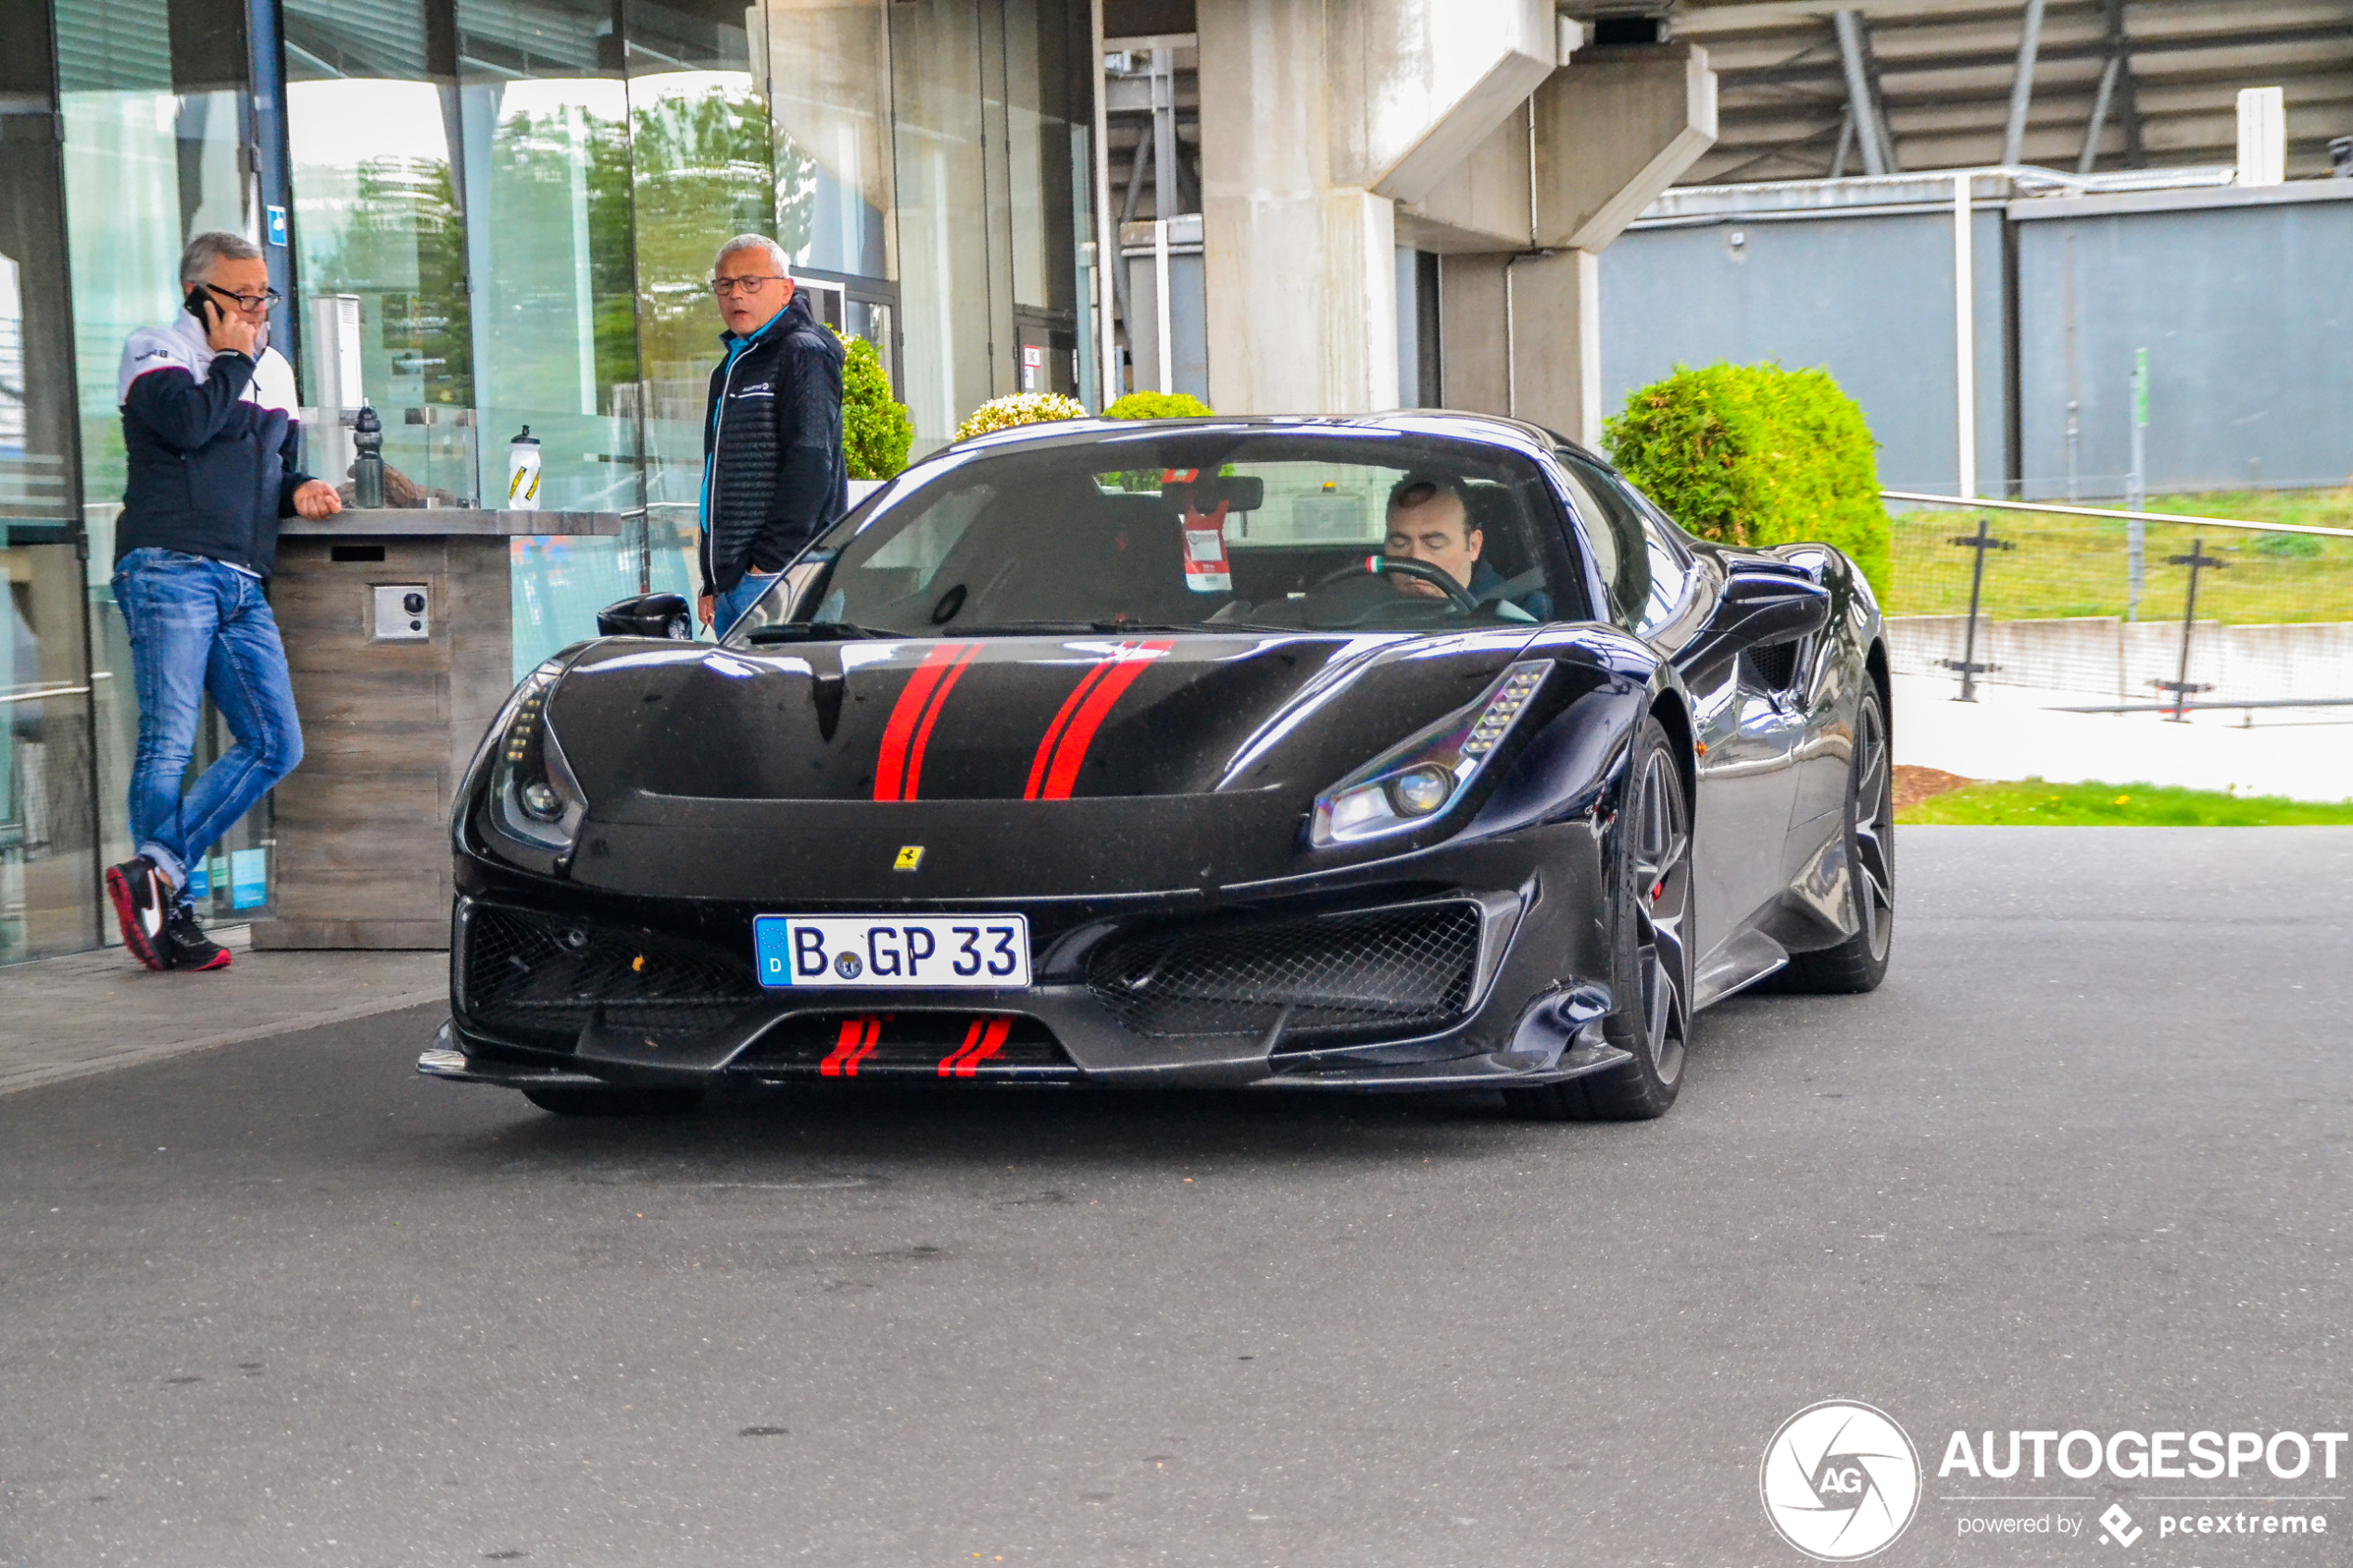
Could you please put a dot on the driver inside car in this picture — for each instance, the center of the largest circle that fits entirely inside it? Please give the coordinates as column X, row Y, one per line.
column 1429, row 521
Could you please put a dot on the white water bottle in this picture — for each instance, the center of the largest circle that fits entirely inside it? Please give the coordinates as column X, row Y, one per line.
column 523, row 472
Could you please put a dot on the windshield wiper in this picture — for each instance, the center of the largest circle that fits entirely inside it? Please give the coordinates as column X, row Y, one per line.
column 1120, row 627
column 810, row 631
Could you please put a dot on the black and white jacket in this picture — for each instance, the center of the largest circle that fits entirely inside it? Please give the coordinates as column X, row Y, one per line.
column 774, row 475
column 211, row 444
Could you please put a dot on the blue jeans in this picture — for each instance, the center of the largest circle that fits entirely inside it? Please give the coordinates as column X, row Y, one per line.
column 198, row 626
column 728, row 608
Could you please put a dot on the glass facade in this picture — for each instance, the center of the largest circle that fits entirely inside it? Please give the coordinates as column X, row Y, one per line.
column 497, row 215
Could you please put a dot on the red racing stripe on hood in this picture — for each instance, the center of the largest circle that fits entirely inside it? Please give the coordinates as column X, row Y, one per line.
column 931, row 715
column 1088, row 708
column 894, row 775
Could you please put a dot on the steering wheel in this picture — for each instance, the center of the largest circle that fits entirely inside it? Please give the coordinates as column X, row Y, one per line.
column 1375, row 566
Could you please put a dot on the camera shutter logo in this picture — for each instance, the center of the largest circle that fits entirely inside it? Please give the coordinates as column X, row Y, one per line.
column 1840, row 1481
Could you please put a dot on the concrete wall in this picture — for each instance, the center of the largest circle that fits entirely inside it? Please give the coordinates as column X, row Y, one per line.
column 2102, row 659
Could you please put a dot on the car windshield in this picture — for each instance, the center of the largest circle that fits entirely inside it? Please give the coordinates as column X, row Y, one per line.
column 1189, row 528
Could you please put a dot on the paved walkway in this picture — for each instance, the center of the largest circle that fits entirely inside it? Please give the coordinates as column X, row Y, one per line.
column 87, row 1012
column 2015, row 732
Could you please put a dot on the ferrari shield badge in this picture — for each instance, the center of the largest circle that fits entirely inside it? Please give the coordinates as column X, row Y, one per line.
column 910, row 857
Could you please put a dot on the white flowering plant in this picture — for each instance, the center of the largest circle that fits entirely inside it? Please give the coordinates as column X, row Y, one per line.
column 1021, row 409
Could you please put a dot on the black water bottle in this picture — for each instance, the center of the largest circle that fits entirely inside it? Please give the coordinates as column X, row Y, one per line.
column 368, row 469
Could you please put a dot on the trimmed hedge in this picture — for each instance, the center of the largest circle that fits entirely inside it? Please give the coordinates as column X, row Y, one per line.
column 1755, row 455
column 875, row 430
column 1158, row 406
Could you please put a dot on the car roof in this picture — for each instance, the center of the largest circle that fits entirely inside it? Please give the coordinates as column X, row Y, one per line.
column 1486, row 429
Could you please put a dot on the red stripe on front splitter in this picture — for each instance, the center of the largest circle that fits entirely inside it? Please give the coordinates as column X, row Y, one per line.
column 980, row 1044
column 899, row 733
column 1062, row 775
column 852, row 1045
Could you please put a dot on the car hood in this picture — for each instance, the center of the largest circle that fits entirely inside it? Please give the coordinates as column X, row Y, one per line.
column 1047, row 766
column 1035, row 718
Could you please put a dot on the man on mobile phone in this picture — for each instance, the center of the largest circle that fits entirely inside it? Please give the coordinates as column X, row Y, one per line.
column 214, row 452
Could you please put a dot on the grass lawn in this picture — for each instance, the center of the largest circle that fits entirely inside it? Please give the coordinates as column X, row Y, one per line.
column 2075, row 566
column 2032, row 803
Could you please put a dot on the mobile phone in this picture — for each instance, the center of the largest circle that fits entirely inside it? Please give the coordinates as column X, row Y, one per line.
column 200, row 307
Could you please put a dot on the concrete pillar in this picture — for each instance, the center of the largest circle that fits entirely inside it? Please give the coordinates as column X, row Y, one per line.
column 1474, row 354
column 1555, row 308
column 1522, row 332
column 1316, row 120
column 1612, row 131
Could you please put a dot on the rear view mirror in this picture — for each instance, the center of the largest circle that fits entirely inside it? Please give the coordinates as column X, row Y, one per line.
column 654, row 615
column 1234, row 491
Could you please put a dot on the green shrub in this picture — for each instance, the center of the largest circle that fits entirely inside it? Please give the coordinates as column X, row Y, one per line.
column 1757, row 456
column 1019, row 408
column 1158, row 406
column 875, row 430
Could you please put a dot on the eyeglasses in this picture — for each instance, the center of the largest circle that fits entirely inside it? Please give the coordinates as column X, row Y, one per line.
column 268, row 301
column 723, row 287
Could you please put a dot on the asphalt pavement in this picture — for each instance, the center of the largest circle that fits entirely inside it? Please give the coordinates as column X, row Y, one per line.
column 2081, row 1165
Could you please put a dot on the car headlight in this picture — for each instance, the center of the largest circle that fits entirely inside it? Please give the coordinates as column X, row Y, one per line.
column 535, row 804
column 1407, row 785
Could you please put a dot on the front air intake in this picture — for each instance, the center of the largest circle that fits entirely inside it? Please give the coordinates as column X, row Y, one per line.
column 537, row 978
column 1406, row 968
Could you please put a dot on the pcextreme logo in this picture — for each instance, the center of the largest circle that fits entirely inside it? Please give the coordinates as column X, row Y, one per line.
column 1840, row 1481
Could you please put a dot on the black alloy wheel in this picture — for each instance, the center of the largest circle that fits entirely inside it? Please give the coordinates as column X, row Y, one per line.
column 1859, row 963
column 1651, row 967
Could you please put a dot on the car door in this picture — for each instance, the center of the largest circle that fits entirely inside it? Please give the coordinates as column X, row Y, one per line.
column 1747, row 728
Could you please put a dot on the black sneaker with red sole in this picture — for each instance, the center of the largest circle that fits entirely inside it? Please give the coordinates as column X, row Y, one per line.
column 185, row 945
column 142, row 904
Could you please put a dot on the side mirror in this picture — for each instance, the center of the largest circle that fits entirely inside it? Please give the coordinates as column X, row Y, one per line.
column 1763, row 609
column 654, row 615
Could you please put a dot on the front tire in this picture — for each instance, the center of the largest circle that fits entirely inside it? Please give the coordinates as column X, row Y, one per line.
column 615, row 1102
column 1651, row 961
column 1859, row 963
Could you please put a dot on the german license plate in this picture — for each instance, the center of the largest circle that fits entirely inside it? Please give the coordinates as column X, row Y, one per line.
column 927, row 952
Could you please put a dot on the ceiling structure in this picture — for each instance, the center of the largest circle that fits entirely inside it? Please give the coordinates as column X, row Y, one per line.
column 1941, row 76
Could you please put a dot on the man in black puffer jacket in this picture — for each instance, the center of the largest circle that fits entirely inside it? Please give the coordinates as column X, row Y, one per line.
column 773, row 474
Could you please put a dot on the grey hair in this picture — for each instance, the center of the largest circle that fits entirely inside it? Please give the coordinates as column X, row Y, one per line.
column 755, row 241
column 209, row 249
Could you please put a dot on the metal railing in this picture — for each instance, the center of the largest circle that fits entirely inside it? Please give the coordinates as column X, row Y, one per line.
column 2121, row 611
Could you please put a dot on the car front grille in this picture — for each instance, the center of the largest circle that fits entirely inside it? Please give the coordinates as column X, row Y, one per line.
column 538, row 977
column 921, row 1045
column 1406, row 967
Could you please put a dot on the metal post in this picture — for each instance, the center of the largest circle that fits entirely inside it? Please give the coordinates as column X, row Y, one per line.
column 2074, row 379
column 1166, row 197
column 2092, row 133
column 1168, row 348
column 2023, row 86
column 2136, row 488
column 1858, row 91
column 2181, row 685
column 1964, row 338
column 1980, row 541
column 1108, row 264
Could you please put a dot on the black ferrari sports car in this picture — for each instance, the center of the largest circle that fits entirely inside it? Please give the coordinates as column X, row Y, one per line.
column 1413, row 751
